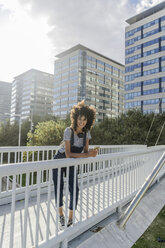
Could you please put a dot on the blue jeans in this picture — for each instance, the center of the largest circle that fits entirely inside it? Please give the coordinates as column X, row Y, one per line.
column 71, row 184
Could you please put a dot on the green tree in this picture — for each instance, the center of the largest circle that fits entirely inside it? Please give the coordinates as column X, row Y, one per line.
column 130, row 128
column 156, row 130
column 47, row 133
column 9, row 134
column 25, row 127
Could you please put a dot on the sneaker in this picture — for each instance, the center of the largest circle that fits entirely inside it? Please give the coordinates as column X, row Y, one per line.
column 70, row 222
column 62, row 222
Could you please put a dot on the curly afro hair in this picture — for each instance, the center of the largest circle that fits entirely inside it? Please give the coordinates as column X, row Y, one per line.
column 81, row 109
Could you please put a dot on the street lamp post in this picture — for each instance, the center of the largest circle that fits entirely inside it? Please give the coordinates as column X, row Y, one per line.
column 19, row 134
column 31, row 121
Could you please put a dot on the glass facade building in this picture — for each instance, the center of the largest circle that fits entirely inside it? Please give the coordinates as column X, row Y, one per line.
column 145, row 61
column 83, row 74
column 5, row 100
column 32, row 94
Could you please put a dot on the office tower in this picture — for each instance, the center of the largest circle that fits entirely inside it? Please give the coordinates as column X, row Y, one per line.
column 5, row 101
column 83, row 74
column 145, row 61
column 32, row 95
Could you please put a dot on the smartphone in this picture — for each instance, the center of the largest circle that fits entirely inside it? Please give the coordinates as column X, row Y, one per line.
column 96, row 148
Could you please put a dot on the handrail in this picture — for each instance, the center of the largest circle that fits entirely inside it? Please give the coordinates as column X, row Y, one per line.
column 13, row 169
column 45, row 148
column 129, row 211
column 18, row 154
column 16, row 148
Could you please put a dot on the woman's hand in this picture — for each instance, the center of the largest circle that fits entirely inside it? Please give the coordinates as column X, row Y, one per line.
column 91, row 153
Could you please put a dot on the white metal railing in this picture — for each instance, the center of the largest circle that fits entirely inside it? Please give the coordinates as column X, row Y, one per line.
column 39, row 153
column 114, row 180
column 126, row 215
column 26, row 154
column 42, row 153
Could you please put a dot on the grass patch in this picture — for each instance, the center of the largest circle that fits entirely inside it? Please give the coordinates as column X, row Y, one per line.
column 150, row 238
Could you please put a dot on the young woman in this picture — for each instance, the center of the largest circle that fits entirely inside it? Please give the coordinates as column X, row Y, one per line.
column 75, row 145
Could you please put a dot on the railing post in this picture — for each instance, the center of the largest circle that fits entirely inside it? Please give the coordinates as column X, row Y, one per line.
column 64, row 243
column 119, row 210
column 124, row 218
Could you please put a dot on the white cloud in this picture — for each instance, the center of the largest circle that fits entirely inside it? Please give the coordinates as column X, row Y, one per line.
column 97, row 24
column 146, row 4
column 24, row 43
column 34, row 31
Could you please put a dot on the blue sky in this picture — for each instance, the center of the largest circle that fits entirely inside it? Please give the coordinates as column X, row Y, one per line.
column 33, row 31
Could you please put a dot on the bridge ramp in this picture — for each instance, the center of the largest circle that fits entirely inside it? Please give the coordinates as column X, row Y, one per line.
column 111, row 236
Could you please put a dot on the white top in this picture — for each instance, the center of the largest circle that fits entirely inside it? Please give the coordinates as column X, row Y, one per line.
column 77, row 141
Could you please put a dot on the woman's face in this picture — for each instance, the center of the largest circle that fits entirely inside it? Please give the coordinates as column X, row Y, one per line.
column 81, row 122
